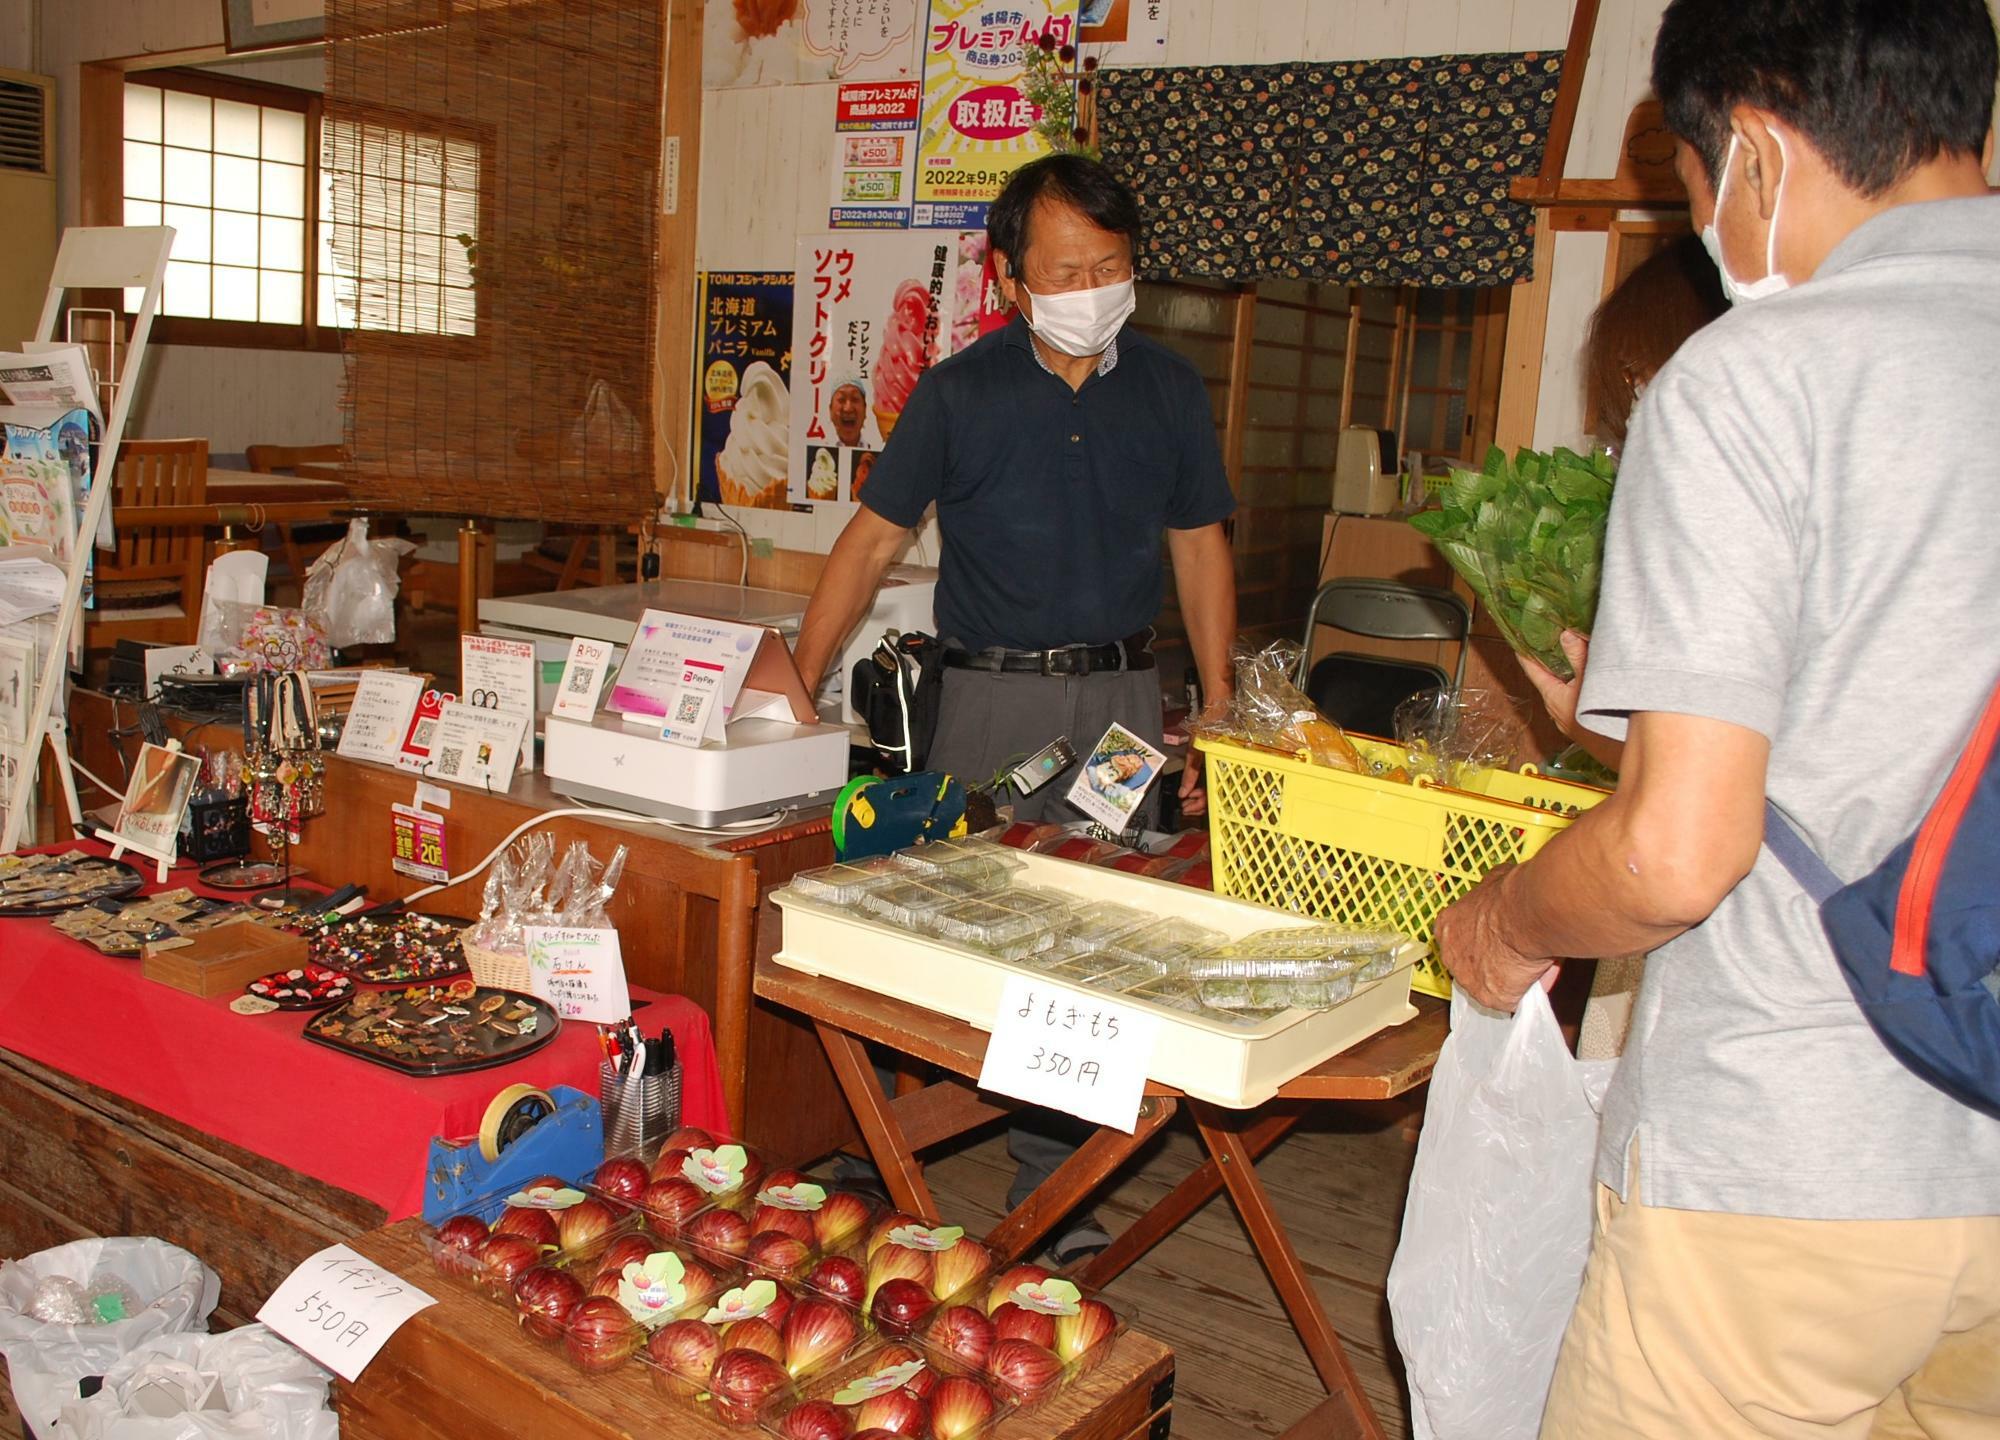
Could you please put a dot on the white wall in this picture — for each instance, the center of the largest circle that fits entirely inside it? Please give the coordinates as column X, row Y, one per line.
column 17, row 34
column 233, row 397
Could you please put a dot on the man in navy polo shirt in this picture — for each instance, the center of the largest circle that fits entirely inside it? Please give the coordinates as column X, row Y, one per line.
column 1058, row 452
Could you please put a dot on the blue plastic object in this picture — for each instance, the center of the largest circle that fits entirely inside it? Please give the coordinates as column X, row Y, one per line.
column 569, row 1143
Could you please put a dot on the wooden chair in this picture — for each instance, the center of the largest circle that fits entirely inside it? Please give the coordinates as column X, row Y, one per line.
column 307, row 462
column 152, row 589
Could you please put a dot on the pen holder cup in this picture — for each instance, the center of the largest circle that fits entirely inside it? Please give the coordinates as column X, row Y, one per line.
column 639, row 1111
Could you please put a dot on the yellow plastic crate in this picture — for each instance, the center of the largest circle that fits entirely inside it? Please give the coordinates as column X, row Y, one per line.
column 1363, row 851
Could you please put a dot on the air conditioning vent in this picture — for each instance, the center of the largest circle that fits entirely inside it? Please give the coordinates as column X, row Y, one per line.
column 24, row 126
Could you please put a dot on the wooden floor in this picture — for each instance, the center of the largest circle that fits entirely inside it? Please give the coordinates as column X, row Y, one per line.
column 1338, row 1181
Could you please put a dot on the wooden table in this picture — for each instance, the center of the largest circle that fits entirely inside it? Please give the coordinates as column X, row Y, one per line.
column 1383, row 1066
column 687, row 909
column 248, row 487
column 463, row 1370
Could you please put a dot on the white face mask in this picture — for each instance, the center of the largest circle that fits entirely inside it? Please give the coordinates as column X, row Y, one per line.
column 1082, row 322
column 1738, row 292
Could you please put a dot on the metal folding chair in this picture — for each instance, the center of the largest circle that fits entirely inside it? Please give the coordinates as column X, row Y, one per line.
column 1361, row 692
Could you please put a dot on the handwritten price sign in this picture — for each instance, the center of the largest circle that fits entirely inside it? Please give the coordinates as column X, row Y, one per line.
column 1070, row 1050
column 341, row 1309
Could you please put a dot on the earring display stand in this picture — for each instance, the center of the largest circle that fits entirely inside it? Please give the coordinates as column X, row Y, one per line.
column 284, row 766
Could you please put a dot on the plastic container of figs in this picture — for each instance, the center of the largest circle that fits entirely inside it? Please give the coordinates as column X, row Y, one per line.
column 500, row 1235
column 1027, row 1334
column 656, row 1281
column 796, row 1221
column 765, row 1348
column 894, row 1389
column 902, row 1273
column 689, row 1178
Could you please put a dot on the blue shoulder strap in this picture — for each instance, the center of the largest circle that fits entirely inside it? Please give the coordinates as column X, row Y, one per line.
column 1797, row 856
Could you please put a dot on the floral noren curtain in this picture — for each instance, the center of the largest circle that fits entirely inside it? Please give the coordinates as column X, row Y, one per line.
column 1371, row 172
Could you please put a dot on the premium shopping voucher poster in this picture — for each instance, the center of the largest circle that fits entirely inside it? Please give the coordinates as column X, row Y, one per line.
column 978, row 126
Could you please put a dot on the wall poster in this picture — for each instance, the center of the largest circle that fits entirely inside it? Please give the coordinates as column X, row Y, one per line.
column 787, row 42
column 875, row 155
column 872, row 313
column 978, row 127
column 743, row 406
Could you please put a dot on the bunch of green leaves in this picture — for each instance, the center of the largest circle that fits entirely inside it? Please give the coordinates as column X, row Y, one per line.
column 1527, row 534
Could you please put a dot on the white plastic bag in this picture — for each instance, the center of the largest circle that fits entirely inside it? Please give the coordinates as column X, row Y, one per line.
column 1497, row 1227
column 351, row 588
column 45, row 1361
column 245, row 1383
column 606, row 437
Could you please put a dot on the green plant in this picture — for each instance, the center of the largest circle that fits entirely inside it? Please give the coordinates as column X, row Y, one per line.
column 1528, row 536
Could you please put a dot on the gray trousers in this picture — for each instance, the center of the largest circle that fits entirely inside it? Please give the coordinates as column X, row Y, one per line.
column 989, row 722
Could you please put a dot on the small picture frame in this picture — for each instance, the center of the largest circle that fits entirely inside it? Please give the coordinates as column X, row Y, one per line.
column 149, row 819
column 1112, row 786
column 271, row 24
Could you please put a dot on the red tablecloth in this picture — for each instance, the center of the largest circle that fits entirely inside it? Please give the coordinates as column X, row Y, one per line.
column 255, row 1082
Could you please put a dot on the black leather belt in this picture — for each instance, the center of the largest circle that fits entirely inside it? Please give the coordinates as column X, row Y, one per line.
column 1135, row 653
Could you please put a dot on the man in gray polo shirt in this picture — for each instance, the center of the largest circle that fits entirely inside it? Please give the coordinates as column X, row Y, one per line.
column 1797, row 1236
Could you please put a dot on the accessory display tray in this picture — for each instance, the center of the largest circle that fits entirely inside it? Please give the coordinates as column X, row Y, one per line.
column 437, row 1029
column 34, row 887
column 1237, row 1065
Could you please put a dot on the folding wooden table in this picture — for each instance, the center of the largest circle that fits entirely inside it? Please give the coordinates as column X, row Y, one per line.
column 1385, row 1065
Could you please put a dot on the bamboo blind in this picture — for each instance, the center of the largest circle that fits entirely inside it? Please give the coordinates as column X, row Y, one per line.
column 490, row 172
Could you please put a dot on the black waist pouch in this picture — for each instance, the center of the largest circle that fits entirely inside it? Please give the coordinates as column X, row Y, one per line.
column 896, row 692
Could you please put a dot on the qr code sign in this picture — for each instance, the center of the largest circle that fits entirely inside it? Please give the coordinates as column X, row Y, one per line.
column 688, row 710
column 421, row 736
column 450, row 759
column 579, row 680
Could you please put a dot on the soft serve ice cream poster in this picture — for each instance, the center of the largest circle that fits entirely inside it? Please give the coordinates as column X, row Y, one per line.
column 872, row 312
column 743, row 412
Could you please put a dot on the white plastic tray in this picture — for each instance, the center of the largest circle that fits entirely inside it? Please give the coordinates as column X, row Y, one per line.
column 1233, row 1065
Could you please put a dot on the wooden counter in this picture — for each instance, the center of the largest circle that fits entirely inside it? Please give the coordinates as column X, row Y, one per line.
column 686, row 910
column 463, row 1370
column 83, row 1162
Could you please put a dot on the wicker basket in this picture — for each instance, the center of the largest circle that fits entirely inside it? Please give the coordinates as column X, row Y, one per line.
column 496, row 969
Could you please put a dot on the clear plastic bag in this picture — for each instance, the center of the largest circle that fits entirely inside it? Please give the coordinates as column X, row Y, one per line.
column 271, row 637
column 1497, row 1227
column 1449, row 736
column 1268, row 709
column 582, row 888
column 351, row 589
column 235, row 1386
column 513, row 898
column 45, row 1359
